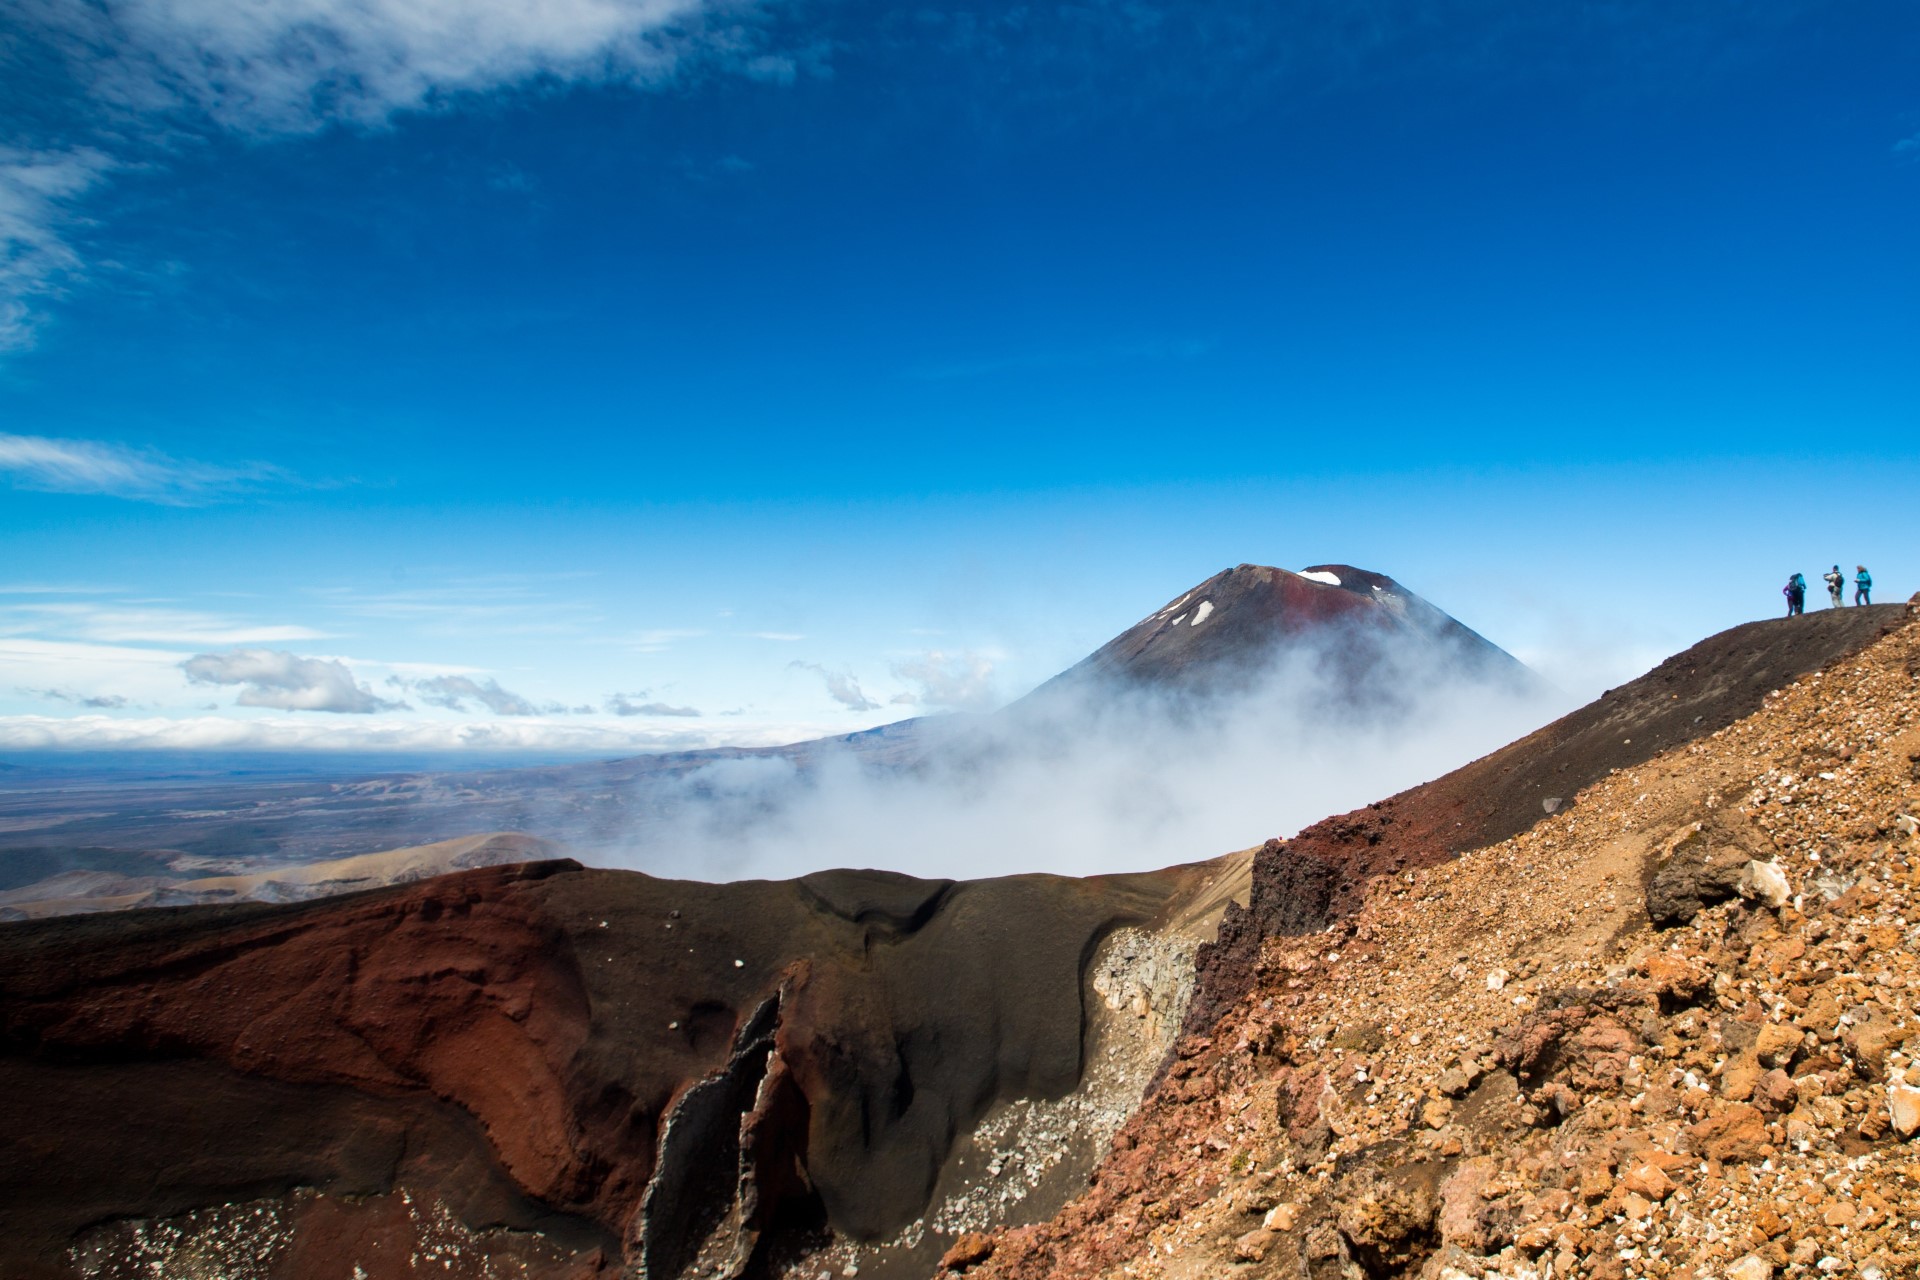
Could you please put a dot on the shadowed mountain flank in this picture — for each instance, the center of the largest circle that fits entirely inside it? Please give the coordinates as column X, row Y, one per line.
column 558, row 1057
column 1300, row 884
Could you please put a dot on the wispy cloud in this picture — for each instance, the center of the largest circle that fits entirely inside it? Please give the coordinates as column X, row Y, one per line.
column 38, row 192
column 298, row 66
column 502, row 607
column 841, row 686
column 961, row 681
column 454, row 692
column 98, row 701
column 99, row 467
column 657, row 639
column 137, row 76
column 621, row 704
column 287, row 681
column 116, row 624
column 143, row 624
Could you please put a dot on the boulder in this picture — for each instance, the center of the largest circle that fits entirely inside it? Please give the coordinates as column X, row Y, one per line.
column 970, row 1250
column 1648, row 1180
column 1736, row 1134
column 1253, row 1246
column 1776, row 1044
column 1692, row 877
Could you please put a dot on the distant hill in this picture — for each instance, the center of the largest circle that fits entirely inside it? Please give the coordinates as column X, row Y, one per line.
column 99, row 887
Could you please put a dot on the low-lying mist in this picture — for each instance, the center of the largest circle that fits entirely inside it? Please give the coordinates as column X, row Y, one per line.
column 1086, row 778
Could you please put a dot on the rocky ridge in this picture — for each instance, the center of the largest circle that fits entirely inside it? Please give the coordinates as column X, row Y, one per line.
column 542, row 1070
column 1668, row 1032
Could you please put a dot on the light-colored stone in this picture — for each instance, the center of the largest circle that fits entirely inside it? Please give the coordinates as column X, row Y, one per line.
column 1253, row 1246
column 1740, row 1079
column 1766, row 882
column 1737, row 1133
column 1751, row 1267
column 1648, row 1180
column 1775, row 1045
column 1281, row 1217
column 1903, row 1109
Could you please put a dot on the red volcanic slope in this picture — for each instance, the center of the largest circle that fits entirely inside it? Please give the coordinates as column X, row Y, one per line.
column 1300, row 885
column 1238, row 621
column 515, row 1041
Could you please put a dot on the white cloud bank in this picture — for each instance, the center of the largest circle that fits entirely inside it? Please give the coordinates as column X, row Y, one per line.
column 365, row 734
column 1086, row 783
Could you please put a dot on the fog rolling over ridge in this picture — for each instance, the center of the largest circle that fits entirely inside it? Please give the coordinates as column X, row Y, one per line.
column 1258, row 702
column 1254, row 704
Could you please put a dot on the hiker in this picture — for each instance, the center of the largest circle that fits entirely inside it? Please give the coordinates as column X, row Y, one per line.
column 1836, row 584
column 1862, row 586
column 1796, row 593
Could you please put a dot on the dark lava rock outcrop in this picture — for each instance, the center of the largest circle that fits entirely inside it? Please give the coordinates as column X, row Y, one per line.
column 574, row 1068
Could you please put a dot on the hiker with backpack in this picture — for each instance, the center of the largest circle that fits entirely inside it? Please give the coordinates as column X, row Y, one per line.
column 1796, row 593
column 1836, row 585
column 1863, row 586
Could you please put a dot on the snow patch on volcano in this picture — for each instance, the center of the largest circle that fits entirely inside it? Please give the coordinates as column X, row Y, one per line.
column 1321, row 575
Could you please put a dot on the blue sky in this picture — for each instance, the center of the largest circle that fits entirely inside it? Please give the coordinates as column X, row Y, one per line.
column 803, row 366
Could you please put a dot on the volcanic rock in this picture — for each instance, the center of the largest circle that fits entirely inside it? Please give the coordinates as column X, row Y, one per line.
column 678, row 1074
column 969, row 1250
column 1302, row 884
column 1231, row 629
column 1693, row 876
column 1702, row 1100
